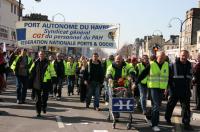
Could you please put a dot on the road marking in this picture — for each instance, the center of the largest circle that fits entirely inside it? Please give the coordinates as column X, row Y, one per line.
column 84, row 123
column 100, row 131
column 68, row 124
column 177, row 124
column 59, row 121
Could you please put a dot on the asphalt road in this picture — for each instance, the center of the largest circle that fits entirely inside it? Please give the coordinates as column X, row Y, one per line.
column 70, row 115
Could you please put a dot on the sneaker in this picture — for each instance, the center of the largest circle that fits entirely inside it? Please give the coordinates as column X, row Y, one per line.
column 97, row 108
column 58, row 98
column 19, row 102
column 156, row 129
column 106, row 103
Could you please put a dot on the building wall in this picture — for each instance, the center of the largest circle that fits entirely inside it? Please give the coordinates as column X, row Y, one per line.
column 151, row 41
column 196, row 25
column 8, row 19
column 192, row 25
column 198, row 41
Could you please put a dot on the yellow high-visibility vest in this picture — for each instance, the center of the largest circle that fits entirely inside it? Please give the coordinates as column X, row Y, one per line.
column 71, row 70
column 141, row 68
column 47, row 74
column 126, row 70
column 158, row 78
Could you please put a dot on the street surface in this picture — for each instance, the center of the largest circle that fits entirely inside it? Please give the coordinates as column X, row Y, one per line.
column 70, row 115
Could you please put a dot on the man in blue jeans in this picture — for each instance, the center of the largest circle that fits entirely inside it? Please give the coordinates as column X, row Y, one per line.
column 94, row 78
column 158, row 77
column 20, row 67
column 143, row 84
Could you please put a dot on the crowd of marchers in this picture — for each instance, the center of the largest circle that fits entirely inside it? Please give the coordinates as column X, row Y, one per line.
column 154, row 77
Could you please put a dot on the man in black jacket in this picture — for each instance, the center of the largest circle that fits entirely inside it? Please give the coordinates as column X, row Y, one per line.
column 40, row 76
column 60, row 72
column 94, row 79
column 180, row 89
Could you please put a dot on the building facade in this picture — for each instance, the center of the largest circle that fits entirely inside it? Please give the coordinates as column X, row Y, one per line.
column 189, row 33
column 172, row 43
column 8, row 18
column 153, row 41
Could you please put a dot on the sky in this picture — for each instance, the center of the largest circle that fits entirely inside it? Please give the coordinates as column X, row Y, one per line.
column 137, row 18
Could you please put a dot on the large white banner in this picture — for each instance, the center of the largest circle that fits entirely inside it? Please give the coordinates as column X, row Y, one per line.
column 42, row 33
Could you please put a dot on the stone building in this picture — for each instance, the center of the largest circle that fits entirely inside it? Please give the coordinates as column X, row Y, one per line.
column 172, row 43
column 189, row 33
column 9, row 12
column 153, row 41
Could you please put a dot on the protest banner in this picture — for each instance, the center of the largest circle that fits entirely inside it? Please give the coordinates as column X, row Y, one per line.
column 61, row 34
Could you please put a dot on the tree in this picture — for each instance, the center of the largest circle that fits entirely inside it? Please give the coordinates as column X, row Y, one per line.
column 35, row 17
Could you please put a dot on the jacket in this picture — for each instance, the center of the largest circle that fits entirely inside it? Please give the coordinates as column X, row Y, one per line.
column 182, row 76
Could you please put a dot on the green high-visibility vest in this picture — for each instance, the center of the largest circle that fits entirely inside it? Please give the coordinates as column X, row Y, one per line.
column 13, row 66
column 158, row 78
column 141, row 68
column 126, row 70
column 47, row 74
column 70, row 69
column 52, row 69
column 108, row 63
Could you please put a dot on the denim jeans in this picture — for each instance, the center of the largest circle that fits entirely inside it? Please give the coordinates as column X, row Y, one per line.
column 143, row 96
column 156, row 95
column 71, row 80
column 21, row 85
column 57, row 87
column 93, row 90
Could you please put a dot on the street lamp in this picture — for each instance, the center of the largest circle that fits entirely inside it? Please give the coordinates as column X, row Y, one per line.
column 53, row 17
column 19, row 9
column 180, row 36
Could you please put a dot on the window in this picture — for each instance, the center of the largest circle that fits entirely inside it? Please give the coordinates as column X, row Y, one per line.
column 0, row 3
column 3, row 33
column 11, row 8
column 15, row 9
